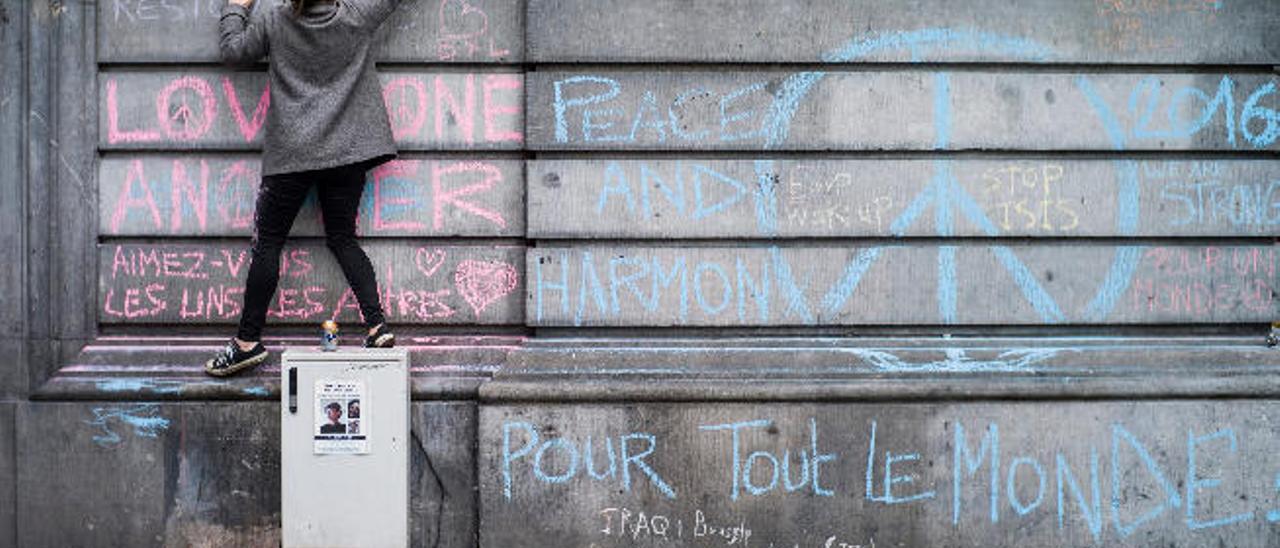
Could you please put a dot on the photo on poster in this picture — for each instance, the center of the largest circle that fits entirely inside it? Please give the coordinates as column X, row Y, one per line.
column 341, row 427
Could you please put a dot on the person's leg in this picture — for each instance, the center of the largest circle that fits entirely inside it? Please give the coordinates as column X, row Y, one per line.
column 279, row 199
column 340, row 193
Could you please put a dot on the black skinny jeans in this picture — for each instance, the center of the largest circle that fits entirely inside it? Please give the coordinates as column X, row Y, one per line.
column 279, row 199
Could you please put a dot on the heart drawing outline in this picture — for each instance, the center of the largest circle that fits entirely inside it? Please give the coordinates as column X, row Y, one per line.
column 428, row 260
column 481, row 283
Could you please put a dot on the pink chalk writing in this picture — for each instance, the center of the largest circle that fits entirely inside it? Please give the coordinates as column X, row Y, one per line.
column 462, row 27
column 204, row 282
column 407, row 114
column 187, row 107
column 482, row 282
column 248, row 128
column 193, row 125
column 114, row 134
column 493, row 108
column 219, row 301
column 439, row 170
column 1203, row 281
column 130, row 304
column 198, row 199
column 407, row 102
column 235, row 188
column 457, row 114
column 210, row 195
column 129, row 197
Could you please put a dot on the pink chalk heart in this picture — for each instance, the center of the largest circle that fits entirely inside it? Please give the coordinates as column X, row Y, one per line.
column 461, row 20
column 428, row 260
column 482, row 282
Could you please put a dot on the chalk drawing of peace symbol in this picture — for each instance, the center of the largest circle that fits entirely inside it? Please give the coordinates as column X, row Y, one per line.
column 943, row 194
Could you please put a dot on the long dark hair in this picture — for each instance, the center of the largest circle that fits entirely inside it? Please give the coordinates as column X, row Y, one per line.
column 299, row 5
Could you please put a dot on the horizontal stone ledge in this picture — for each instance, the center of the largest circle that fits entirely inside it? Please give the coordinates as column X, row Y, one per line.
column 419, row 31
column 1253, row 386
column 164, row 369
column 816, row 110
column 998, row 197
column 968, row 283
column 420, row 282
column 991, row 31
column 185, row 194
column 887, row 369
column 209, row 109
column 786, row 358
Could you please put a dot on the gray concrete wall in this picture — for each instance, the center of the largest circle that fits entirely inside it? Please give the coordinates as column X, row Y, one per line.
column 781, row 268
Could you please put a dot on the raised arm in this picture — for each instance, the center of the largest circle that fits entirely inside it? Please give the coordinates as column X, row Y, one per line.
column 242, row 35
column 373, row 12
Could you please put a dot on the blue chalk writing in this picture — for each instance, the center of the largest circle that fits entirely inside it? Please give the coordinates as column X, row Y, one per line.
column 1118, row 434
column 562, row 104
column 508, row 457
column 766, row 198
column 786, row 471
column 818, row 459
column 746, row 473
column 890, row 479
column 941, row 110
column 592, row 281
column 570, row 470
column 628, row 281
column 1251, row 111
column 578, row 458
column 143, row 418
column 663, row 279
column 676, row 106
column 1030, row 287
column 963, row 464
column 1090, row 509
column 649, row 103
column 637, row 460
column 139, row 385
column 957, row 360
column 758, row 289
column 562, row 287
column 589, row 462
column 734, row 428
column 726, row 119
column 839, row 293
column 703, row 209
column 649, row 178
column 726, row 287
column 257, row 391
column 1196, row 483
column 1011, row 486
column 615, row 182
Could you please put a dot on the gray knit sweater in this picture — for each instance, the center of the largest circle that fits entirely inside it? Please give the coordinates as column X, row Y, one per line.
column 326, row 102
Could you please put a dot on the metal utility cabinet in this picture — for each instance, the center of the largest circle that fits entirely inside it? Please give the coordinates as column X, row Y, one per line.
column 344, row 448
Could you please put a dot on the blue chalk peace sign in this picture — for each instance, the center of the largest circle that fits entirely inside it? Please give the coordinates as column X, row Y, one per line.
column 943, row 193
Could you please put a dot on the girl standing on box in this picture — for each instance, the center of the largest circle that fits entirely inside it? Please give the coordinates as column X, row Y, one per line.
column 326, row 126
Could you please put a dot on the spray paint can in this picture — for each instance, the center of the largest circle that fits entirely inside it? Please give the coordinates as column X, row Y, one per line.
column 329, row 336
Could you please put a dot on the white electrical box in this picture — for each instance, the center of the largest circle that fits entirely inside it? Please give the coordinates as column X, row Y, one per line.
column 344, row 448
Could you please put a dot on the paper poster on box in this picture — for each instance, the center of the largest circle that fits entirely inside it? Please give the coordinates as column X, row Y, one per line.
column 340, row 426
